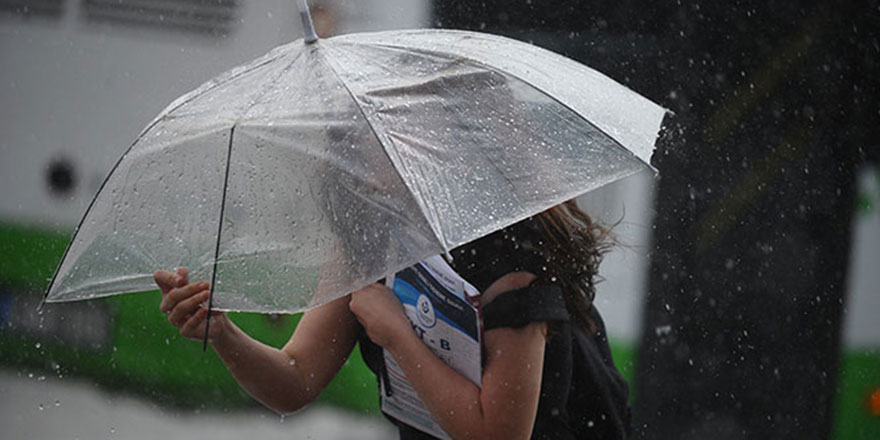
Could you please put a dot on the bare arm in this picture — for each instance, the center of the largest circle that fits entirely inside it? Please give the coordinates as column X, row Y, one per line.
column 289, row 378
column 505, row 406
column 282, row 379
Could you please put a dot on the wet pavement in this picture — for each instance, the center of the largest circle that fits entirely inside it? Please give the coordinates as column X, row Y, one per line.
column 48, row 408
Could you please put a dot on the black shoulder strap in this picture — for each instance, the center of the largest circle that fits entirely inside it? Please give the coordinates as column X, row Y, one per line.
column 519, row 307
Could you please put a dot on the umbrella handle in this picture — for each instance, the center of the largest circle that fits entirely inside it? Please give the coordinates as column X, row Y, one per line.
column 308, row 28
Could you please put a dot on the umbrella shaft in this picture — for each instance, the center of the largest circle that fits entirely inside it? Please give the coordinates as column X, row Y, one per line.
column 308, row 28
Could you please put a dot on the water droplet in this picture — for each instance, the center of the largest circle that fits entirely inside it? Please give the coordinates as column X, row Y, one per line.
column 57, row 403
column 292, row 362
column 38, row 345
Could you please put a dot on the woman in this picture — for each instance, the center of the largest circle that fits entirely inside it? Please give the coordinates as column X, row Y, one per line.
column 547, row 368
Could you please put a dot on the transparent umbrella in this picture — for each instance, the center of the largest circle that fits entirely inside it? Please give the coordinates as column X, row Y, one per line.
column 327, row 164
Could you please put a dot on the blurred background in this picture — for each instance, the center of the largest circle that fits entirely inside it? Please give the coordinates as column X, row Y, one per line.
column 742, row 302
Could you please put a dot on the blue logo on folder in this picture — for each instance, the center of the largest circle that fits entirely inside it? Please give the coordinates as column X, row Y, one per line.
column 425, row 312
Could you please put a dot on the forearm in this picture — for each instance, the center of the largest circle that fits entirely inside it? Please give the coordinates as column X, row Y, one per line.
column 506, row 404
column 283, row 380
column 453, row 400
column 293, row 376
column 268, row 374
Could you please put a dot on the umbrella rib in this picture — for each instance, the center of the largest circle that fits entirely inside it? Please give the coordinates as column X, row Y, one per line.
column 438, row 233
column 219, row 232
column 186, row 99
column 140, row 136
column 267, row 87
column 89, row 209
column 575, row 112
column 478, row 63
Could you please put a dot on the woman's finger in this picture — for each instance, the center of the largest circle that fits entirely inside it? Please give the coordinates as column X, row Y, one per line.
column 166, row 280
column 183, row 274
column 174, row 296
column 187, row 307
column 190, row 328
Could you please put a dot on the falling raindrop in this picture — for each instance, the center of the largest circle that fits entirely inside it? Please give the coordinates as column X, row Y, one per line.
column 663, row 330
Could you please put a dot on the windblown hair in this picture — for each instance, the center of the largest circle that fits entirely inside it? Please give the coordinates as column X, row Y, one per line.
column 573, row 247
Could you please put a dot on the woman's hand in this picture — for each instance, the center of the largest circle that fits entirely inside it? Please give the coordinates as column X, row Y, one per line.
column 505, row 406
column 381, row 314
column 183, row 303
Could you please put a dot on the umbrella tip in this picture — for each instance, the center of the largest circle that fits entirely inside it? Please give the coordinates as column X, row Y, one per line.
column 308, row 27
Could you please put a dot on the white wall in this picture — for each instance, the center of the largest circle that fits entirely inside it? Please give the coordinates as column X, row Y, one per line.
column 628, row 204
column 862, row 307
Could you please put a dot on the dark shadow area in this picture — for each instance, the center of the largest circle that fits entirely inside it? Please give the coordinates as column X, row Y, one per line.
column 775, row 110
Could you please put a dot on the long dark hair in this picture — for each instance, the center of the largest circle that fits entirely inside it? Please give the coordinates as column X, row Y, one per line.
column 573, row 247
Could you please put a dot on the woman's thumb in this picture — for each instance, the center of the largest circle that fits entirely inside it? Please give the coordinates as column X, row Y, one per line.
column 183, row 272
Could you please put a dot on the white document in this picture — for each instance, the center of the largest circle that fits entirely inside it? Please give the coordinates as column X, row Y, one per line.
column 437, row 302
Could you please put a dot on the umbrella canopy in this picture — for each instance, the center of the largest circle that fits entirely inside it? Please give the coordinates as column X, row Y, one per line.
column 325, row 165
